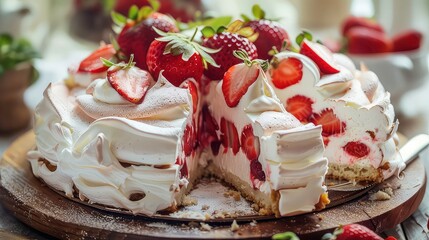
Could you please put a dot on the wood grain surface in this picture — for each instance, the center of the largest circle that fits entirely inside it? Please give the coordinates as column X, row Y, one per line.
column 38, row 206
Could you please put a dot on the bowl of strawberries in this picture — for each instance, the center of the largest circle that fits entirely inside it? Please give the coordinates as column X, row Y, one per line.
column 400, row 61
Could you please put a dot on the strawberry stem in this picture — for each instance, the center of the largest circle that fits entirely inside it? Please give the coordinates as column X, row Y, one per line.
column 241, row 54
column 193, row 35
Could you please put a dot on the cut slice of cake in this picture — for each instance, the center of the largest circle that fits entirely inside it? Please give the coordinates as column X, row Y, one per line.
column 103, row 149
column 262, row 150
column 358, row 120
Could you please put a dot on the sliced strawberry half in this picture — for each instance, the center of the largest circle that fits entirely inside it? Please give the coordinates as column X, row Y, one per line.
column 130, row 82
column 329, row 121
column 193, row 90
column 249, row 143
column 286, row 73
column 93, row 64
column 300, row 107
column 256, row 172
column 320, row 55
column 207, row 128
column 229, row 136
column 188, row 140
column 184, row 170
column 237, row 80
column 356, row 149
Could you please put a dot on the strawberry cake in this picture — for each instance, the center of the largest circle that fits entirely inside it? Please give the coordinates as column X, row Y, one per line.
column 358, row 121
column 138, row 122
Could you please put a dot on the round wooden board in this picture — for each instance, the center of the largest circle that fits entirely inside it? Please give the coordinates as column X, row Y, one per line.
column 38, row 206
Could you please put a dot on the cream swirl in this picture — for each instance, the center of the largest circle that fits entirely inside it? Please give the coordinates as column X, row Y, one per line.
column 111, row 159
column 163, row 101
column 102, row 90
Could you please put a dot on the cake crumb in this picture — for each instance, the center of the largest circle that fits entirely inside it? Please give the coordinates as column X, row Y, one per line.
column 379, row 196
column 193, row 224
column 389, row 191
column 234, row 226
column 263, row 211
column 232, row 193
column 255, row 206
column 205, row 207
column 188, row 201
column 205, row 227
column 253, row 223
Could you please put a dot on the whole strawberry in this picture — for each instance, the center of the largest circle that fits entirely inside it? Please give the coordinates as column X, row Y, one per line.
column 235, row 37
column 352, row 22
column 362, row 40
column 407, row 41
column 178, row 57
column 136, row 32
column 352, row 232
column 271, row 34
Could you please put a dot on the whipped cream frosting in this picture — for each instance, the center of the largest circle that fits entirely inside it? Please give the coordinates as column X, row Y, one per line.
column 291, row 153
column 83, row 79
column 111, row 150
column 359, row 100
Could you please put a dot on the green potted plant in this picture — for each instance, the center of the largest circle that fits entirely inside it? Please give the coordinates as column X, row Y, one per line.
column 16, row 74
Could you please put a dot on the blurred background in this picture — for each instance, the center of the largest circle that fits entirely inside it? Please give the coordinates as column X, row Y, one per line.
column 65, row 31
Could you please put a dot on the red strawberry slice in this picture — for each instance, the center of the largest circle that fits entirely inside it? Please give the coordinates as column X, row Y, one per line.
column 93, row 64
column 229, row 136
column 184, row 172
column 194, row 94
column 407, row 41
column 352, row 22
column 208, row 128
column 249, row 143
column 256, row 172
column 131, row 83
column 300, row 107
column 237, row 80
column 357, row 232
column 188, row 140
column 356, row 149
column 329, row 121
column 215, row 145
column 320, row 55
column 365, row 41
column 286, row 73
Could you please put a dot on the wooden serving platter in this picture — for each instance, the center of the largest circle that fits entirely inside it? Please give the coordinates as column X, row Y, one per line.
column 38, row 206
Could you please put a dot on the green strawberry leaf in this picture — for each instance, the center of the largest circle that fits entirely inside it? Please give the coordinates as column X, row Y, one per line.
column 217, row 22
column 208, row 31
column 221, row 29
column 133, row 12
column 155, row 5
column 106, row 62
column 258, row 12
column 118, row 18
column 245, row 18
column 304, row 35
column 143, row 13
